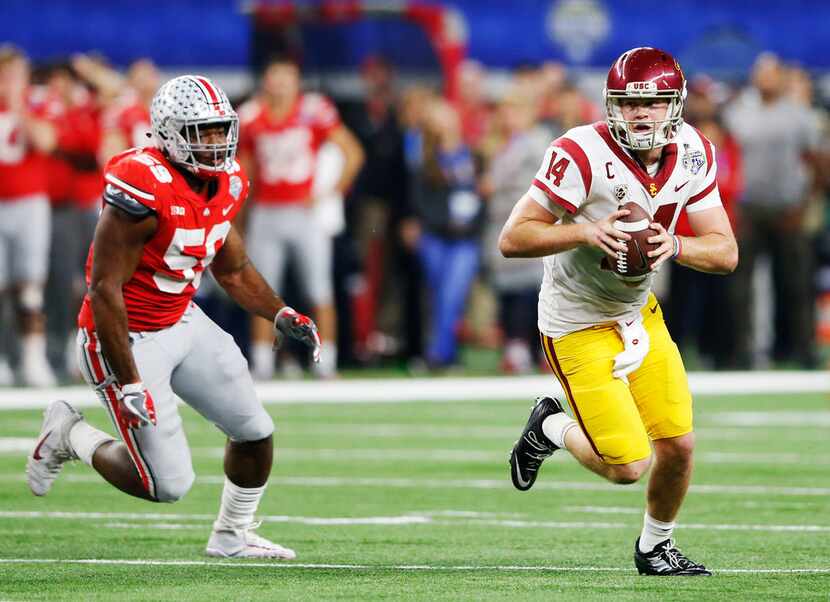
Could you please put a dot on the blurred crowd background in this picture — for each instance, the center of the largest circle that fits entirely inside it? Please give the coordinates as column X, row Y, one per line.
column 413, row 172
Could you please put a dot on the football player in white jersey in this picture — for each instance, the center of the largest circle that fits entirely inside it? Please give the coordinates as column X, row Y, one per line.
column 604, row 336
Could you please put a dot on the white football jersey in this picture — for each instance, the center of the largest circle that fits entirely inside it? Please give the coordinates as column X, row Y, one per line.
column 584, row 177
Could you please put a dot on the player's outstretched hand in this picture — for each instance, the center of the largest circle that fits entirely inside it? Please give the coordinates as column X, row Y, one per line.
column 603, row 235
column 135, row 406
column 297, row 326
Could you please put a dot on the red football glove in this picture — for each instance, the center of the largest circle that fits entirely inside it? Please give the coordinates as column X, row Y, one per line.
column 297, row 326
column 135, row 406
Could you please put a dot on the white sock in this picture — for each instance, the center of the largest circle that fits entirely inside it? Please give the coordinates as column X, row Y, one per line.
column 238, row 506
column 556, row 426
column 654, row 532
column 33, row 349
column 33, row 343
column 85, row 439
column 262, row 358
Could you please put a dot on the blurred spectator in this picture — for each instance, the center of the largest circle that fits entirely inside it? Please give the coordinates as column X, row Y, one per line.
column 25, row 139
column 281, row 131
column 475, row 111
column 451, row 216
column 562, row 104
column 778, row 138
column 698, row 309
column 75, row 186
column 127, row 120
column 515, row 281
column 386, row 310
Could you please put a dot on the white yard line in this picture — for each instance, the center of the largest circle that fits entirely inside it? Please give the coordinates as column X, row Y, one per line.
column 24, row 445
column 402, row 483
column 447, row 389
column 417, row 518
column 276, row 565
column 817, row 418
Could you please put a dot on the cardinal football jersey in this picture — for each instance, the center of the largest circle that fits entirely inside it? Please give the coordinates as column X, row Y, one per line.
column 190, row 233
column 132, row 119
column 22, row 169
column 585, row 176
column 286, row 151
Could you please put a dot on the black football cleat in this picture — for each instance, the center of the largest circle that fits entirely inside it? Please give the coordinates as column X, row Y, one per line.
column 667, row 560
column 533, row 447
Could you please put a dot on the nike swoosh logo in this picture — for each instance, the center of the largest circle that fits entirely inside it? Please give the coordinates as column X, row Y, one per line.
column 521, row 482
column 676, row 188
column 629, row 323
column 653, row 309
column 227, row 209
column 36, row 454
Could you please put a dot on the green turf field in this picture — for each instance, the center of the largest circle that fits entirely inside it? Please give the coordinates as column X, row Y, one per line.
column 413, row 501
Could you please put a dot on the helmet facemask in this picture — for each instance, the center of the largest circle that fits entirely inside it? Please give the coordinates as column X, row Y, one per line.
column 661, row 132
column 203, row 158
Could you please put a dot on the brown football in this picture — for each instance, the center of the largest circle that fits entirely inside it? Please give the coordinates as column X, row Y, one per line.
column 635, row 262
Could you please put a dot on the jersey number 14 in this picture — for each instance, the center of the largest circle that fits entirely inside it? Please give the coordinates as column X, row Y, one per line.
column 556, row 169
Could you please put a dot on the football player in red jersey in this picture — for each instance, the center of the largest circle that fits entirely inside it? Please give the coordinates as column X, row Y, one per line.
column 25, row 220
column 127, row 121
column 604, row 337
column 284, row 130
column 167, row 216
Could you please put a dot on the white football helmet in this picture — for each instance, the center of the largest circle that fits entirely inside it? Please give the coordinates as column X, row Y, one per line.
column 180, row 108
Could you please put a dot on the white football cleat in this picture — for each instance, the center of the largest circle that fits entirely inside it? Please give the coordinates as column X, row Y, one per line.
column 52, row 448
column 244, row 543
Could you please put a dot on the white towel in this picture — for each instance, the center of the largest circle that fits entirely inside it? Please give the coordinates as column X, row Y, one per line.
column 328, row 211
column 636, row 342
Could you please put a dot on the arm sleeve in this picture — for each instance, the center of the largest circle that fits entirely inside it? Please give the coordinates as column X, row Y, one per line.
column 559, row 185
column 705, row 193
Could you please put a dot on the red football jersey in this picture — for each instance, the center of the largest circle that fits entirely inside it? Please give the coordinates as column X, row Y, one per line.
column 132, row 119
column 286, row 151
column 79, row 179
column 190, row 233
column 22, row 169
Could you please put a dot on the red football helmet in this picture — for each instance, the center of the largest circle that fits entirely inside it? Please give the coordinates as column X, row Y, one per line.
column 645, row 73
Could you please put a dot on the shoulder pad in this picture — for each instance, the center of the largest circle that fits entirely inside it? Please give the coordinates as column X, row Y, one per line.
column 319, row 109
column 249, row 111
column 117, row 197
column 139, row 175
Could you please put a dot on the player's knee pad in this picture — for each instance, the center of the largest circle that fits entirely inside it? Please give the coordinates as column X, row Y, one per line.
column 30, row 298
column 172, row 490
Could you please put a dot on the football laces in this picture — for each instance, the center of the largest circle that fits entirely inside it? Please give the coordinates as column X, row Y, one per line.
column 622, row 260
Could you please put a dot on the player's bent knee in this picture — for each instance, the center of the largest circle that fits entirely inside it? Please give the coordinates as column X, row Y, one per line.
column 677, row 449
column 254, row 429
column 172, row 490
column 627, row 474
